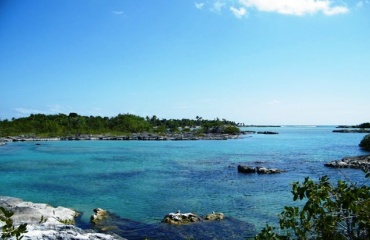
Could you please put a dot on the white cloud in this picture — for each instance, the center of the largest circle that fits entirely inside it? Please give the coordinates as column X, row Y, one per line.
column 26, row 111
column 199, row 5
column 56, row 108
column 118, row 12
column 217, row 6
column 238, row 12
column 295, row 7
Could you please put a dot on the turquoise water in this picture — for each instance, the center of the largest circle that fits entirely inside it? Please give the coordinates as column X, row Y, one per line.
column 145, row 180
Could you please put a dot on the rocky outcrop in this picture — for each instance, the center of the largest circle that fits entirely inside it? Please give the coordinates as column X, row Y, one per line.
column 47, row 222
column 181, row 218
column 267, row 132
column 214, row 216
column 246, row 169
column 263, row 170
column 351, row 162
column 259, row 170
column 185, row 218
column 133, row 136
column 352, row 131
column 99, row 215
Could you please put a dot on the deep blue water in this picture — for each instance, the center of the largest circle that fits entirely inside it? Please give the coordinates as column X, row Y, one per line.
column 145, row 180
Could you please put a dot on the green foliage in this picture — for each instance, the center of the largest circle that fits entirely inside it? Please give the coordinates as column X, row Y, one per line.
column 330, row 212
column 364, row 125
column 365, row 143
column 231, row 130
column 8, row 230
column 59, row 125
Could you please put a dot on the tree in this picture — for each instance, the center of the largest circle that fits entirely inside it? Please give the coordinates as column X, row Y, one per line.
column 331, row 212
column 365, row 143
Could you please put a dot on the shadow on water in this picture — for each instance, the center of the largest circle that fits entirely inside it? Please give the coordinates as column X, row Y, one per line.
column 229, row 228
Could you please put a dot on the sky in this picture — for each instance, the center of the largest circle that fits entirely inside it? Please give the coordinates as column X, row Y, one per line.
column 284, row 62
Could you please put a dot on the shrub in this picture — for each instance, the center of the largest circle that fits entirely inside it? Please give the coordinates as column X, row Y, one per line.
column 365, row 143
column 8, row 230
column 330, row 212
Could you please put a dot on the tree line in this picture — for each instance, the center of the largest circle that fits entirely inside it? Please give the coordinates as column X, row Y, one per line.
column 42, row 125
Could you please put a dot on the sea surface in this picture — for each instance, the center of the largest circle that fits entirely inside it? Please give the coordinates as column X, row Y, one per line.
column 142, row 181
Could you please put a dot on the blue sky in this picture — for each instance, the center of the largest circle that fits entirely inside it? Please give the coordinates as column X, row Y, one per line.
column 251, row 61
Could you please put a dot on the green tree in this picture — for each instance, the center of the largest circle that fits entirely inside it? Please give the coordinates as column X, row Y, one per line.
column 365, row 143
column 338, row 212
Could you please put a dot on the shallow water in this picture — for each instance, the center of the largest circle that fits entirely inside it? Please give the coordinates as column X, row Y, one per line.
column 145, row 180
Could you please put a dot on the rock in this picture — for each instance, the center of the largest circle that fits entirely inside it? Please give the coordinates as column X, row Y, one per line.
column 351, row 162
column 99, row 215
column 259, row 170
column 47, row 222
column 246, row 169
column 267, row 132
column 214, row 216
column 181, row 218
column 263, row 170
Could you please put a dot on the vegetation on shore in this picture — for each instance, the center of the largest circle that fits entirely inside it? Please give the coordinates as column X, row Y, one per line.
column 365, row 143
column 362, row 125
column 331, row 211
column 41, row 125
column 340, row 211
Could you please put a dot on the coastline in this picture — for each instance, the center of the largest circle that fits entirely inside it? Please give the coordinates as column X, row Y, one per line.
column 47, row 222
column 128, row 137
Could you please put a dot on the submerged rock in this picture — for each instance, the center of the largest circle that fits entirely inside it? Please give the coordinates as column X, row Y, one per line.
column 350, row 162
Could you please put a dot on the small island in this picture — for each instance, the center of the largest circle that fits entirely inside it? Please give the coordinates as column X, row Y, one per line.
column 41, row 127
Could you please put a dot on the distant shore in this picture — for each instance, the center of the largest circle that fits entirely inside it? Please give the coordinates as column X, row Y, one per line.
column 128, row 137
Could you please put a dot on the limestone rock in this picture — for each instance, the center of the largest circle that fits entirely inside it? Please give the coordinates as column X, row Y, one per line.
column 45, row 222
column 263, row 170
column 99, row 215
column 351, row 162
column 181, row 218
column 214, row 216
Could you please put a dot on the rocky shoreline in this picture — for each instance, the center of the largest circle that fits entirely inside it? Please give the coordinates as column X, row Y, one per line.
column 132, row 137
column 359, row 162
column 47, row 222
column 352, row 131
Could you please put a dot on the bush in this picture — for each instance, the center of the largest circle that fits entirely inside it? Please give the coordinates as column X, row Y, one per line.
column 365, row 143
column 330, row 212
column 8, row 230
column 231, row 130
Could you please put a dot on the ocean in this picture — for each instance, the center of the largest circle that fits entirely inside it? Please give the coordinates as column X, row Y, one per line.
column 142, row 181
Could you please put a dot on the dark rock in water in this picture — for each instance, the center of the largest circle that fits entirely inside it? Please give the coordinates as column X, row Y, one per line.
column 214, row 216
column 259, row 170
column 246, row 169
column 267, row 132
column 352, row 131
column 351, row 162
column 181, row 218
column 228, row 228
